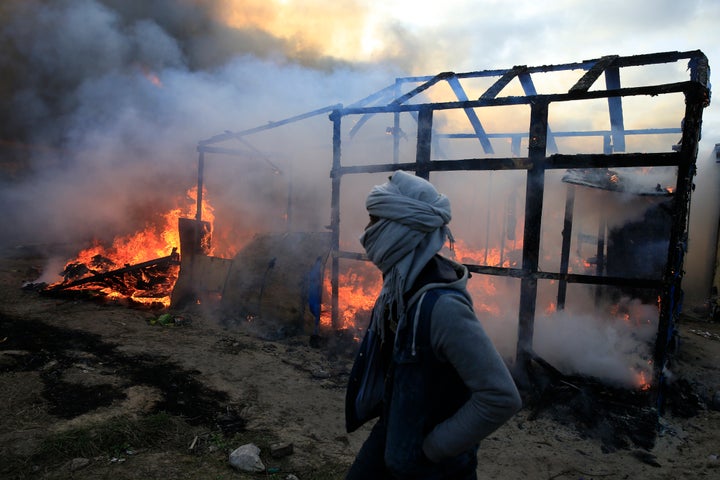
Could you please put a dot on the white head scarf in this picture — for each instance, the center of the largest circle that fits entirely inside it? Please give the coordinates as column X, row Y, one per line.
column 411, row 229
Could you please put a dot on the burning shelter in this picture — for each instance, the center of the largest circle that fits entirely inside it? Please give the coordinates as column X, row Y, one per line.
column 571, row 186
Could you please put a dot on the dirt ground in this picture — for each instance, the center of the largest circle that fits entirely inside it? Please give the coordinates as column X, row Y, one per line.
column 94, row 390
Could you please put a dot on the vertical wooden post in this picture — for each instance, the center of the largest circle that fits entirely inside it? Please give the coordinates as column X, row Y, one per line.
column 534, row 193
column 600, row 255
column 566, row 240
column 396, row 127
column 335, row 175
column 200, row 181
column 672, row 279
column 617, row 124
column 424, row 140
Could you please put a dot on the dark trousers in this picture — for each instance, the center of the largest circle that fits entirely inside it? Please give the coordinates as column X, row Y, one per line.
column 370, row 462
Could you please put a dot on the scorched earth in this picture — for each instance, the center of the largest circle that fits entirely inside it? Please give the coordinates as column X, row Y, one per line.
column 94, row 390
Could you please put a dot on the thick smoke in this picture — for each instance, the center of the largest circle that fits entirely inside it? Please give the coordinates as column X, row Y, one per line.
column 103, row 103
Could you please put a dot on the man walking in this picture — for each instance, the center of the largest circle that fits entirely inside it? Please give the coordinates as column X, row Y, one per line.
column 442, row 385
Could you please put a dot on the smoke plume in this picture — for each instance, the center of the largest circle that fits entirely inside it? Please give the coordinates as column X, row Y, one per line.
column 103, row 103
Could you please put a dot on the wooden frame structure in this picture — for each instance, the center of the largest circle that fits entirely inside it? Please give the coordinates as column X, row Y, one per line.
column 542, row 156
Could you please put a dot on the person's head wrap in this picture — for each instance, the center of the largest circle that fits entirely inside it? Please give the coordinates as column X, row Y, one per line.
column 411, row 228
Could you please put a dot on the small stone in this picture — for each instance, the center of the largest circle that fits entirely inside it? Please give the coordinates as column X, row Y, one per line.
column 78, row 463
column 280, row 449
column 320, row 373
column 247, row 458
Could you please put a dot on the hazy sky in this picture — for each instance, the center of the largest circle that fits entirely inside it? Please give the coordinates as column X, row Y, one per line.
column 64, row 45
column 463, row 35
column 427, row 37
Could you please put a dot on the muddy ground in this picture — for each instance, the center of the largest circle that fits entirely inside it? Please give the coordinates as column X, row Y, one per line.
column 93, row 390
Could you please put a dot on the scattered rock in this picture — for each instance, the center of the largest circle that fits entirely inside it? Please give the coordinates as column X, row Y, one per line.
column 320, row 373
column 78, row 463
column 647, row 458
column 280, row 449
column 247, row 458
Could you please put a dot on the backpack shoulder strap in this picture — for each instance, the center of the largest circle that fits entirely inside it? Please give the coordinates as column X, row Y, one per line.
column 422, row 313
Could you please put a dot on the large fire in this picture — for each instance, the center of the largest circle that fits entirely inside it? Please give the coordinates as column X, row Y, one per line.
column 359, row 282
column 150, row 286
column 359, row 285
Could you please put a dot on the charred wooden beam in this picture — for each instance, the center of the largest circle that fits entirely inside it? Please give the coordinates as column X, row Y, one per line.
column 649, row 283
column 652, row 90
column 502, row 82
column 617, row 160
column 386, row 93
column 593, row 74
column 424, row 142
column 228, row 135
column 172, row 259
column 422, row 88
column 200, row 180
column 553, row 162
column 534, row 194
column 565, row 248
column 580, row 133
column 695, row 101
column 335, row 176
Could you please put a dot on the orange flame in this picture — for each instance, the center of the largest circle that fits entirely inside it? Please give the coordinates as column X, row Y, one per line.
column 642, row 382
column 156, row 240
column 494, row 257
column 360, row 283
column 152, row 77
column 358, row 287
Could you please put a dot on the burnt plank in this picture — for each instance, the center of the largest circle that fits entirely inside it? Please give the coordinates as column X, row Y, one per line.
column 172, row 259
column 422, row 88
column 593, row 74
column 502, row 82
